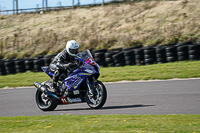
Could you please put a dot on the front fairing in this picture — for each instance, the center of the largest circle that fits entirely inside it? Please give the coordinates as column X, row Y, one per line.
column 75, row 79
column 88, row 68
column 86, row 57
column 47, row 71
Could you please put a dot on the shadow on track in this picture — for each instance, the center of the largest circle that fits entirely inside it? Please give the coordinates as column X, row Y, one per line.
column 108, row 107
column 126, row 106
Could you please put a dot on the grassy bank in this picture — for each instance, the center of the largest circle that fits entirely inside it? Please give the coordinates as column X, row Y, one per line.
column 187, row 69
column 124, row 25
column 102, row 123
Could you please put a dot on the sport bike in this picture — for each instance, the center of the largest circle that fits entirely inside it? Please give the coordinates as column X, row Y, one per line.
column 80, row 86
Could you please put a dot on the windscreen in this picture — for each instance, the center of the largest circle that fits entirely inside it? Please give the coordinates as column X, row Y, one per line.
column 85, row 54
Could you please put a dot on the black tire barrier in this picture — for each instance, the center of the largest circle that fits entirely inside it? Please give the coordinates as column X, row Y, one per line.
column 149, row 55
column 194, row 52
column 171, row 59
column 98, row 51
column 171, row 53
column 109, row 59
column 185, row 43
column 9, row 66
column 38, row 63
column 129, row 57
column 160, row 54
column 139, row 56
column 182, row 52
column 194, row 47
column 182, row 58
column 99, row 57
column 48, row 59
column 170, row 49
column 2, row 68
column 29, row 64
column 149, row 61
column 193, row 57
column 20, row 66
column 161, row 60
column 119, row 59
column 116, row 57
column 182, row 48
column 109, row 54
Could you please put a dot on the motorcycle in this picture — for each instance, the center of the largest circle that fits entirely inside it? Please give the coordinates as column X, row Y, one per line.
column 80, row 86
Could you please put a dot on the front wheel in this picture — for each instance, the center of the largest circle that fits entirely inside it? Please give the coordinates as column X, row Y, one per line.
column 98, row 99
column 44, row 102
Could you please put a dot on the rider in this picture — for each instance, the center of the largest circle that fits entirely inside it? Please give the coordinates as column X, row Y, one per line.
column 64, row 61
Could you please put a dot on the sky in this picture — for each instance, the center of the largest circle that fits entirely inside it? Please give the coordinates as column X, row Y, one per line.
column 23, row 4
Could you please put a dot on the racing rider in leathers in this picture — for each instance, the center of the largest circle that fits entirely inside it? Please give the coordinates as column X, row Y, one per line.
column 64, row 61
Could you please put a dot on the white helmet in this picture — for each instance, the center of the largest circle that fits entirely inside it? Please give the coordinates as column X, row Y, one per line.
column 72, row 48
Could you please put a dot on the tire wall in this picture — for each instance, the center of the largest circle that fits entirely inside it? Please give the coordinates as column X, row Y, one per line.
column 13, row 66
column 113, row 58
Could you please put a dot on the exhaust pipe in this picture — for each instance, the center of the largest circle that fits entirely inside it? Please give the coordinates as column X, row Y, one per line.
column 43, row 88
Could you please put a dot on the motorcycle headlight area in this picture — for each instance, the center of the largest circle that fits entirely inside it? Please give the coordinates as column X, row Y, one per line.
column 89, row 71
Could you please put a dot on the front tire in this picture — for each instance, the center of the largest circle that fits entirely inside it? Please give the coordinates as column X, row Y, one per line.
column 99, row 98
column 44, row 102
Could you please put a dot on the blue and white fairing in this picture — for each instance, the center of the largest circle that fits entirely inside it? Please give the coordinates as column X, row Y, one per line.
column 74, row 80
column 47, row 71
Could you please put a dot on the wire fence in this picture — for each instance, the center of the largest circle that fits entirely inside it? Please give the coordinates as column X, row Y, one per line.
column 8, row 7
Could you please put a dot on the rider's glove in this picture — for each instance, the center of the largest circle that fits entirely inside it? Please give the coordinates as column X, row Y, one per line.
column 72, row 66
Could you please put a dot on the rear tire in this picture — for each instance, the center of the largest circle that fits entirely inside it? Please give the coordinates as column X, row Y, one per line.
column 100, row 97
column 45, row 103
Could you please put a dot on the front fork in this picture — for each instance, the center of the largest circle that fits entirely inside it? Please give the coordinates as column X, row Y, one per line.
column 89, row 86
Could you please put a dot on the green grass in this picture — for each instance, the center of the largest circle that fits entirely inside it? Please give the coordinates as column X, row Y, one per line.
column 187, row 69
column 102, row 123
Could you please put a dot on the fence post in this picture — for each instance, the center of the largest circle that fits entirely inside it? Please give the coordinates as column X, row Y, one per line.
column 13, row 6
column 16, row 6
column 102, row 4
column 43, row 5
column 72, row 4
column 46, row 4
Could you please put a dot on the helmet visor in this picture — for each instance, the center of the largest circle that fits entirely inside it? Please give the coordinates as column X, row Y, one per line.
column 74, row 51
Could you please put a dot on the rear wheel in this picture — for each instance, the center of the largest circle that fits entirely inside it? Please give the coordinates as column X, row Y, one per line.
column 44, row 102
column 98, row 99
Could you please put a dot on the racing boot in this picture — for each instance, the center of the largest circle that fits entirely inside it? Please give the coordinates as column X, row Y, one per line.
column 57, row 89
column 54, row 82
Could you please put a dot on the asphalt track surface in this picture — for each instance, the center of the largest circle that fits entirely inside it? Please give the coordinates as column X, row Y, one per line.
column 151, row 97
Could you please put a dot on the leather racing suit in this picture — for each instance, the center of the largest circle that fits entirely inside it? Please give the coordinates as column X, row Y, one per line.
column 62, row 62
